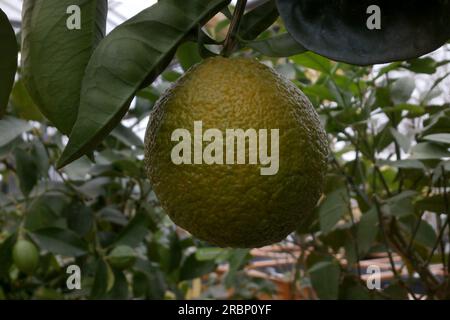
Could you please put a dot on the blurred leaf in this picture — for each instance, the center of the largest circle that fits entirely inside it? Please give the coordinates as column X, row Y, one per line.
column 238, row 258
column 6, row 259
column 123, row 63
column 332, row 209
column 80, row 218
column 313, row 61
column 439, row 138
column 422, row 65
column 27, row 170
column 426, row 234
column 126, row 136
column 193, row 268
column 402, row 89
column 258, row 20
column 404, row 164
column 8, row 62
column 282, row 45
column 325, row 280
column 46, row 211
column 367, row 231
column 120, row 289
column 401, row 205
column 434, row 203
column 427, row 150
column 403, row 141
column 60, row 241
column 205, row 254
column 52, row 71
column 103, row 280
column 11, row 128
column 134, row 232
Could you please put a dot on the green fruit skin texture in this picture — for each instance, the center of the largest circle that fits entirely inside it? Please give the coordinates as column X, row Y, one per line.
column 234, row 205
column 25, row 256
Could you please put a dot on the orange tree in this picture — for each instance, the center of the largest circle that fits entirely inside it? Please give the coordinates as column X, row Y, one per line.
column 387, row 185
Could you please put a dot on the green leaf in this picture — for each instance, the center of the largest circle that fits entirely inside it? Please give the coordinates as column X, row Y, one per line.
column 22, row 104
column 27, row 170
column 188, row 55
column 258, row 20
column 8, row 61
column 238, row 258
column 402, row 89
column 367, row 231
column 401, row 204
column 103, row 280
column 204, row 254
column 282, row 45
column 338, row 29
column 427, row 150
column 439, row 138
column 60, row 241
column 46, row 211
column 193, row 268
column 435, row 203
column 403, row 141
column 130, row 57
column 134, row 232
column 404, row 164
column 325, row 279
column 54, row 57
column 11, row 128
column 6, row 260
column 332, row 209
column 127, row 136
column 426, row 234
column 423, row 65
column 80, row 218
column 313, row 61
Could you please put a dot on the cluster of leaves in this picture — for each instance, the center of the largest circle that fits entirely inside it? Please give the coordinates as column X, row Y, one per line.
column 387, row 167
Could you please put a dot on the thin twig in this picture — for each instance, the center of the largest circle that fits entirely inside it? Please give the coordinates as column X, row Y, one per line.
column 231, row 38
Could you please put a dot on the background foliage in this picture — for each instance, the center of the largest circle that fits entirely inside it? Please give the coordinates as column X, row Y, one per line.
column 386, row 191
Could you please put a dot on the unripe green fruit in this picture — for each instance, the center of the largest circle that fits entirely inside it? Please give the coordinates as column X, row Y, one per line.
column 25, row 256
column 122, row 257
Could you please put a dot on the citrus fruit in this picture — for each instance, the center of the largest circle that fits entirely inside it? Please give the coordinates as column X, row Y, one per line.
column 231, row 195
column 25, row 256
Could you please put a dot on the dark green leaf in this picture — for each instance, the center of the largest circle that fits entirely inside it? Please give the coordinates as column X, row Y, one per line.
column 54, row 57
column 8, row 61
column 325, row 279
column 27, row 170
column 193, row 268
column 367, row 231
column 6, row 260
column 332, row 209
column 60, row 241
column 338, row 29
column 80, row 218
column 132, row 55
column 134, row 232
column 103, row 280
column 278, row 46
column 426, row 234
column 188, row 55
column 22, row 104
column 258, row 20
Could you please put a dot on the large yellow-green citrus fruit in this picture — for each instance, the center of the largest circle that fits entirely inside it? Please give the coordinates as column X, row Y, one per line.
column 231, row 204
column 25, row 256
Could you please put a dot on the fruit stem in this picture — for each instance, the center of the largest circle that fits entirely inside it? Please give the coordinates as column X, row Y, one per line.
column 231, row 39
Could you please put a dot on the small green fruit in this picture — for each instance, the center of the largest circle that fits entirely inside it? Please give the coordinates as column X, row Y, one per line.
column 25, row 256
column 122, row 257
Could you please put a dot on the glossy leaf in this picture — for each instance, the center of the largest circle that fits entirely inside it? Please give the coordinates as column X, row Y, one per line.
column 54, row 57
column 130, row 57
column 8, row 61
column 338, row 29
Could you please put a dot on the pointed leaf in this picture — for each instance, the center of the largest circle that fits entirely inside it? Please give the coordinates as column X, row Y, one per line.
column 282, row 45
column 8, row 60
column 131, row 56
column 258, row 20
column 60, row 241
column 54, row 57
